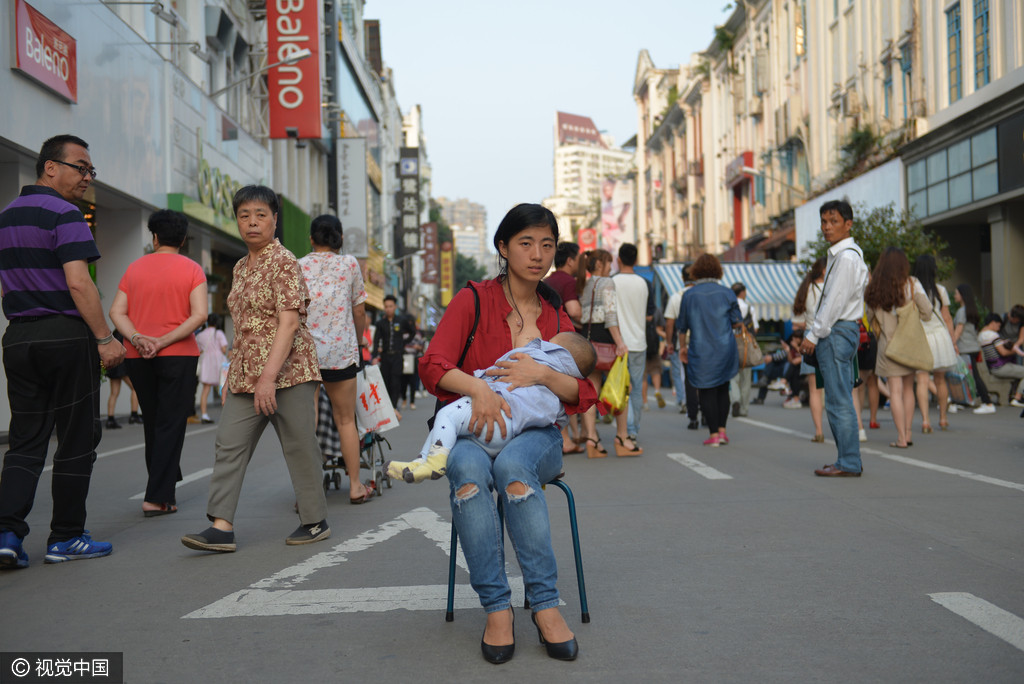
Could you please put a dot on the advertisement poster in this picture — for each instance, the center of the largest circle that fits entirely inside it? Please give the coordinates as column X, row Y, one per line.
column 294, row 88
column 616, row 214
column 45, row 53
column 447, row 273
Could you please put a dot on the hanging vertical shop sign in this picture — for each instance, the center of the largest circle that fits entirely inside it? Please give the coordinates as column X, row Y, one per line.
column 44, row 52
column 294, row 25
column 408, row 239
column 430, row 257
column 447, row 273
column 352, row 194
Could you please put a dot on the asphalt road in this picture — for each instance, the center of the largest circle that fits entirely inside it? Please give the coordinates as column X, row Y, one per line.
column 754, row 570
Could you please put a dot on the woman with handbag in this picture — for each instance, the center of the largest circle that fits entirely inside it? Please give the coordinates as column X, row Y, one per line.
column 335, row 319
column 709, row 312
column 939, row 329
column 805, row 305
column 601, row 326
column 892, row 289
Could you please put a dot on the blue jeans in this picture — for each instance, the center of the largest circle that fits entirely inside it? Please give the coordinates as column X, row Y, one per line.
column 533, row 458
column 676, row 372
column 637, row 364
column 835, row 360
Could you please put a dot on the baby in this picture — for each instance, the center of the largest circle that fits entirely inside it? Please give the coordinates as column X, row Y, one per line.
column 530, row 407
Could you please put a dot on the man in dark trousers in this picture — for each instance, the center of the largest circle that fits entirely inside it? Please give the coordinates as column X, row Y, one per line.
column 392, row 334
column 53, row 348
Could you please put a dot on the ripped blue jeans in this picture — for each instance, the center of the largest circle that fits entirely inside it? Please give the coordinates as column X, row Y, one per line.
column 533, row 458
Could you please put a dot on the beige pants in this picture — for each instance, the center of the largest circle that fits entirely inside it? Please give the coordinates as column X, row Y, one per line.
column 239, row 432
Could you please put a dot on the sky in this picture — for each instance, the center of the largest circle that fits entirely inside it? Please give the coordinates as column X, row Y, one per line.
column 489, row 77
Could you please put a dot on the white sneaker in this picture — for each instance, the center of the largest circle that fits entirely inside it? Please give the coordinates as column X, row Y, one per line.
column 1017, row 402
column 863, row 435
column 985, row 408
column 953, row 408
column 777, row 384
column 792, row 403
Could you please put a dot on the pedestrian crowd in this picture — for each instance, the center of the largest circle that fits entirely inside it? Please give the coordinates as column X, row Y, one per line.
column 518, row 365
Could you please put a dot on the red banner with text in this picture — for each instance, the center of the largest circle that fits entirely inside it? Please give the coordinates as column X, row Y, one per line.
column 45, row 53
column 294, row 25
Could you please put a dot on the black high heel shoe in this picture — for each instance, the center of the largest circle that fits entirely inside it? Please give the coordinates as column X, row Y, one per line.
column 566, row 650
column 497, row 655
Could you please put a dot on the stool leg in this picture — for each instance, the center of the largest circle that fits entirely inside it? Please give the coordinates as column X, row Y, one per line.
column 453, row 551
column 571, row 501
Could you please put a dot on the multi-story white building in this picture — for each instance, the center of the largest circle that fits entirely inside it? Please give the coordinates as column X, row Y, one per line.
column 463, row 212
column 584, row 158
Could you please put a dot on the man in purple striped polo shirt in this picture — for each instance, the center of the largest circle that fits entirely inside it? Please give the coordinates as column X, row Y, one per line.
column 52, row 350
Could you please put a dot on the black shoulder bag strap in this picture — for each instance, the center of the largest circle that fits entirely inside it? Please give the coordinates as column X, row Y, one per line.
column 438, row 404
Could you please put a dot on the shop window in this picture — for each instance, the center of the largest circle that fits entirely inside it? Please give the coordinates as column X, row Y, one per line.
column 986, row 181
column 960, row 190
column 983, row 147
column 938, row 198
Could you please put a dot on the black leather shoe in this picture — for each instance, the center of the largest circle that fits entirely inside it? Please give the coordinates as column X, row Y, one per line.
column 565, row 650
column 693, row 425
column 496, row 655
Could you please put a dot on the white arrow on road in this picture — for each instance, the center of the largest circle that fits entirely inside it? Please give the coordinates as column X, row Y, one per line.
column 276, row 595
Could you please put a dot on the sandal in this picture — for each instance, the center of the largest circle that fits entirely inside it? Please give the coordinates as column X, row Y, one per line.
column 370, row 493
column 166, row 509
column 594, row 449
column 818, row 438
column 943, row 425
column 900, row 446
column 926, row 429
column 621, row 450
column 575, row 449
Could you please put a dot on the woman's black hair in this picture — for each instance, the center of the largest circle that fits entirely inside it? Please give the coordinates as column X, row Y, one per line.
column 326, row 231
column 992, row 318
column 169, row 227
column 215, row 320
column 970, row 306
column 924, row 271
column 256, row 193
column 518, row 219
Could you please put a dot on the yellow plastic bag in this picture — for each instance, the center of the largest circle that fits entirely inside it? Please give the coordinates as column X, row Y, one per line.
column 615, row 392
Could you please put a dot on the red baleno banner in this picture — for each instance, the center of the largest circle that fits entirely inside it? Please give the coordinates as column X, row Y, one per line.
column 294, row 25
column 45, row 53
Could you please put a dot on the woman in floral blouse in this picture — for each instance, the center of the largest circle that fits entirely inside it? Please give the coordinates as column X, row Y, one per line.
column 272, row 378
column 336, row 319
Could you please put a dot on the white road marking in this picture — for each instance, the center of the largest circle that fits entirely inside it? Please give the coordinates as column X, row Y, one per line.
column 133, row 447
column 989, row 617
column 900, row 459
column 276, row 595
column 198, row 475
column 699, row 468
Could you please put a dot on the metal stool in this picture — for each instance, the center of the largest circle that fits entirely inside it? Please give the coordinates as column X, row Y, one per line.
column 571, row 501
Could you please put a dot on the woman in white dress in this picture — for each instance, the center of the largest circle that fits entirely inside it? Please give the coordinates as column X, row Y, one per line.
column 939, row 330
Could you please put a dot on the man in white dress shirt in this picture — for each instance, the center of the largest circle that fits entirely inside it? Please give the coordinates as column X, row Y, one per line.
column 835, row 334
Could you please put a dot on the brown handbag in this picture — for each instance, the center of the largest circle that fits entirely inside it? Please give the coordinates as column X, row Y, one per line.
column 605, row 350
column 749, row 351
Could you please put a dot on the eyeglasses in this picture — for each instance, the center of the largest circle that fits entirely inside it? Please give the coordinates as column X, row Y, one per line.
column 84, row 170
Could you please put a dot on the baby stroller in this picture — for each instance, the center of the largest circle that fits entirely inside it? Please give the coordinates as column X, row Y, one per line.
column 371, row 451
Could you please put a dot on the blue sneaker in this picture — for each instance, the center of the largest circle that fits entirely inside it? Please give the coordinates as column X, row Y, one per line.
column 77, row 549
column 11, row 554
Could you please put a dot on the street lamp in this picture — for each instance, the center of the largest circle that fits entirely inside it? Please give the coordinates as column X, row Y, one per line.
column 294, row 57
column 157, row 8
column 754, row 172
column 193, row 47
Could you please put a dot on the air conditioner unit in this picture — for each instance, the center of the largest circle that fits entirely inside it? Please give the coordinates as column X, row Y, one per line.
column 757, row 106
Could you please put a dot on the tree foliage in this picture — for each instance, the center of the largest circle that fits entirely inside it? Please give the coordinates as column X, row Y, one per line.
column 466, row 267
column 875, row 229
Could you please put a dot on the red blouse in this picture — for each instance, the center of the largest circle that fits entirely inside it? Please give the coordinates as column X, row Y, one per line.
column 493, row 338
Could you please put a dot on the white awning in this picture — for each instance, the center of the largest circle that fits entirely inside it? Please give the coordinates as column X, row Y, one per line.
column 771, row 287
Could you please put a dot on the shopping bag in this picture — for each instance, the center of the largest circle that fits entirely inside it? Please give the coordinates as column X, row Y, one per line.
column 961, row 384
column 408, row 363
column 374, row 411
column 749, row 351
column 615, row 393
column 909, row 346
